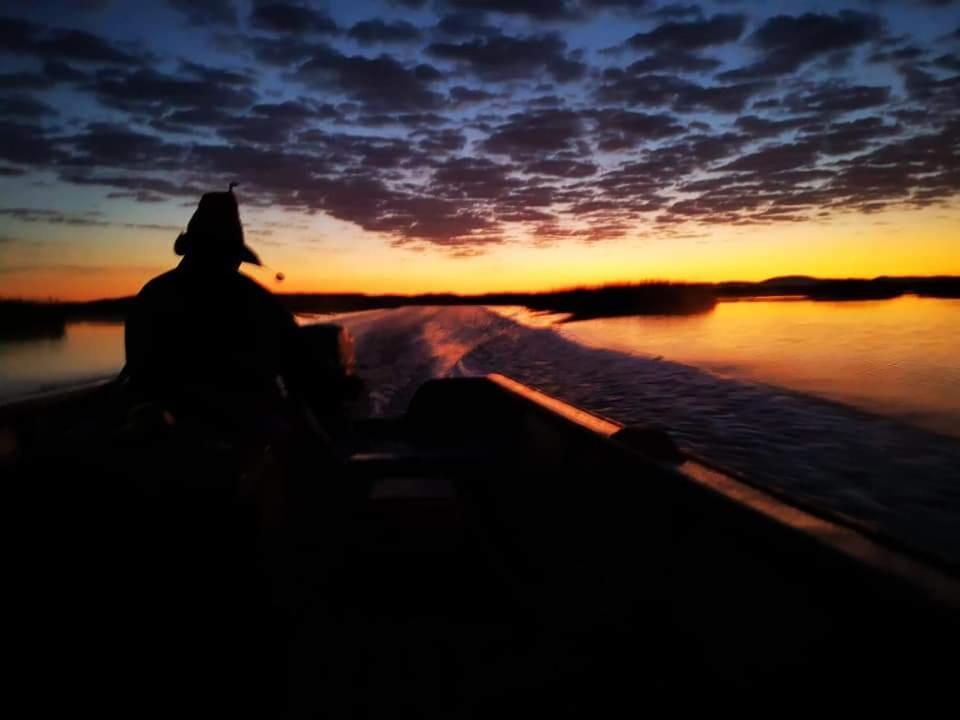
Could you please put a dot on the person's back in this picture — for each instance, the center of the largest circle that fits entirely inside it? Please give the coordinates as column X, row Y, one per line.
column 195, row 331
column 203, row 334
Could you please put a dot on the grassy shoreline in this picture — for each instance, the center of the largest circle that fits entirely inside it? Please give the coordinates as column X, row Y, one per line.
column 25, row 319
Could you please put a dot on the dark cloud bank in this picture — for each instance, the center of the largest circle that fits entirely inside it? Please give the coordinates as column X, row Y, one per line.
column 474, row 119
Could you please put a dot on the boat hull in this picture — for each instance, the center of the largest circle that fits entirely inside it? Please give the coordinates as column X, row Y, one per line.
column 493, row 548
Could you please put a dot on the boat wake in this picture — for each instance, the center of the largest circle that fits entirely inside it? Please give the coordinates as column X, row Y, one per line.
column 903, row 480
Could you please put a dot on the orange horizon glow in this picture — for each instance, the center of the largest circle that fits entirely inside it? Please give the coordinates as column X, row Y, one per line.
column 346, row 260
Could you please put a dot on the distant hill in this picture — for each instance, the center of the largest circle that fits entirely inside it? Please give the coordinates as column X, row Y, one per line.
column 20, row 319
column 880, row 288
column 31, row 321
column 791, row 280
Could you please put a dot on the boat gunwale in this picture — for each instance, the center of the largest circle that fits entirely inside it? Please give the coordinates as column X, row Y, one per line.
column 934, row 576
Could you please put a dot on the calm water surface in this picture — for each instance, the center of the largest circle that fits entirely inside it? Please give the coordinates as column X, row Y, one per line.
column 897, row 357
column 88, row 351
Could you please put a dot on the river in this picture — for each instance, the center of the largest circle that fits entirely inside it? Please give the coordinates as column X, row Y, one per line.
column 852, row 406
column 899, row 358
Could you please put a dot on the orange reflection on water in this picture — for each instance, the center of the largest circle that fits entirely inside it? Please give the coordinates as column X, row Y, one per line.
column 88, row 351
column 899, row 357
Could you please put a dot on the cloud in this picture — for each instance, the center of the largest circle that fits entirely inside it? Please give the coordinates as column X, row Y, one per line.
column 838, row 98
column 933, row 93
column 660, row 167
column 561, row 167
column 267, row 124
column 147, row 90
column 214, row 75
column 24, row 107
column 70, row 269
column 788, row 42
column 461, row 95
column 421, row 119
column 407, row 217
column 22, row 37
column 61, row 217
column 910, row 52
column 466, row 24
column 53, row 217
column 135, row 184
column 680, row 94
column 206, row 12
column 928, row 3
column 25, row 81
column 281, row 51
column 292, row 18
column 190, row 120
column 776, row 158
column 269, row 176
column 677, row 11
column 535, row 9
column 622, row 129
column 760, row 127
column 370, row 32
column 264, row 123
column 472, row 179
column 950, row 61
column 380, row 84
column 22, row 144
column 919, row 169
column 675, row 60
column 81, row 5
column 62, row 72
column 692, row 35
column 854, row 136
column 52, row 74
column 624, row 5
column 509, row 58
column 106, row 145
column 530, row 135
column 380, row 153
column 440, row 141
column 782, row 182
column 507, row 132
column 288, row 111
column 140, row 196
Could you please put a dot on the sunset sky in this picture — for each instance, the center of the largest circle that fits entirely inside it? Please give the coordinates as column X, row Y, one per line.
column 474, row 145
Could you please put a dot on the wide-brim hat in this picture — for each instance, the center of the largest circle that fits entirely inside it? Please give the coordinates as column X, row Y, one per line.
column 215, row 230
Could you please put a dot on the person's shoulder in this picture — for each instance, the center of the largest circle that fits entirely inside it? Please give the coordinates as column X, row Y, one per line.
column 250, row 284
column 254, row 289
column 160, row 283
column 156, row 296
column 257, row 292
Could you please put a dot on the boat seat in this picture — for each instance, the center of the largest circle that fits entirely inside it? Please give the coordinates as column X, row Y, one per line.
column 409, row 461
column 413, row 488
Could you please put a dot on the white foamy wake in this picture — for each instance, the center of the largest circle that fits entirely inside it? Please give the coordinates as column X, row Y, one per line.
column 903, row 480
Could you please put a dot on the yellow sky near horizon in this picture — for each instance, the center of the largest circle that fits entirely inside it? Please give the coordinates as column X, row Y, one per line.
column 83, row 263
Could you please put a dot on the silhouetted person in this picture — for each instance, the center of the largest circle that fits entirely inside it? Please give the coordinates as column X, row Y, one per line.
column 219, row 374
column 227, row 384
column 204, row 337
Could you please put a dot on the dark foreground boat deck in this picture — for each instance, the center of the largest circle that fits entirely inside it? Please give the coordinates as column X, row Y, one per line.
column 492, row 552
